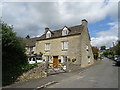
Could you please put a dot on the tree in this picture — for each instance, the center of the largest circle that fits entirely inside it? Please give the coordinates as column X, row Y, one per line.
column 117, row 48
column 95, row 51
column 27, row 36
column 103, row 48
column 13, row 55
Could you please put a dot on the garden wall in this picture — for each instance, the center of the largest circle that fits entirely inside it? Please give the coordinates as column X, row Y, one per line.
column 36, row 72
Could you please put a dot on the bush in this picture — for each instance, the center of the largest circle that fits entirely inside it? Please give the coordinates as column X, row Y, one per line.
column 13, row 55
column 95, row 51
column 28, row 67
column 69, row 59
column 73, row 60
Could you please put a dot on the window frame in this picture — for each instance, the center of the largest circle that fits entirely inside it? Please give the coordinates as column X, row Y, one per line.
column 64, row 45
column 47, row 46
column 64, row 59
column 48, row 34
column 65, row 31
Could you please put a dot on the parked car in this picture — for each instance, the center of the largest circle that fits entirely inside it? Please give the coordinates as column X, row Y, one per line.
column 115, row 57
column 118, row 60
column 31, row 60
column 39, row 60
column 109, row 56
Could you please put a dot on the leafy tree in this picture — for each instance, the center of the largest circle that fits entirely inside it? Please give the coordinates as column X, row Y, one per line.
column 27, row 36
column 95, row 52
column 103, row 47
column 117, row 48
column 13, row 55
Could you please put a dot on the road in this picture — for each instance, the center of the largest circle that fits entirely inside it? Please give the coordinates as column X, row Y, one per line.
column 102, row 75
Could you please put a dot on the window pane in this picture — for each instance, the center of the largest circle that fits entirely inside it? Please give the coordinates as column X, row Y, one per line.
column 47, row 46
column 65, row 58
column 64, row 45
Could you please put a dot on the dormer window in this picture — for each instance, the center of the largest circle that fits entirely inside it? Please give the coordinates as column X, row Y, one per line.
column 48, row 34
column 65, row 31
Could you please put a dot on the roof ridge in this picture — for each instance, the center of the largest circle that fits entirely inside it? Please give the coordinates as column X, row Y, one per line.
column 67, row 27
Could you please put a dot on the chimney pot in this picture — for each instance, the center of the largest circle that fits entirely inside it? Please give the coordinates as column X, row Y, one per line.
column 84, row 22
column 46, row 29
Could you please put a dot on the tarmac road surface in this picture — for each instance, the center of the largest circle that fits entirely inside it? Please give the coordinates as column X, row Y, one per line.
column 103, row 75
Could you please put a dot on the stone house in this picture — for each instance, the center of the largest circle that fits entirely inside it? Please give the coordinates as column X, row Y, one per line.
column 30, row 45
column 68, row 43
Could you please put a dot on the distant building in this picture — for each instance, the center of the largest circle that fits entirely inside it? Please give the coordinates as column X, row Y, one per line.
column 30, row 45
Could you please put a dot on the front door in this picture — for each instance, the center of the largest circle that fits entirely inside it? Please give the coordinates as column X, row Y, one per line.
column 55, row 61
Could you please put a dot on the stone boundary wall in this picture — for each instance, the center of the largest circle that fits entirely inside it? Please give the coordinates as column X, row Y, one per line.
column 36, row 72
column 73, row 67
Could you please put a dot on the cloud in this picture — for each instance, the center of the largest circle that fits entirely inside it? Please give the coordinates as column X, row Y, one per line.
column 106, row 37
column 31, row 18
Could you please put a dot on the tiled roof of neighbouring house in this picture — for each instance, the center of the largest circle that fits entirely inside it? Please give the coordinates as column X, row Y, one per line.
column 30, row 41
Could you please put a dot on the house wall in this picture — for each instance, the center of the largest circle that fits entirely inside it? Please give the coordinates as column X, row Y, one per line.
column 34, row 49
column 74, row 45
column 28, row 50
column 84, row 53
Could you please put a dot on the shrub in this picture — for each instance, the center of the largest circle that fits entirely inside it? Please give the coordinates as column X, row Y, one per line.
column 74, row 59
column 69, row 59
column 13, row 55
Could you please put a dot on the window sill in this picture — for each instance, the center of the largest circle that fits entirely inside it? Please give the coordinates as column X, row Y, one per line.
column 64, row 49
column 47, row 50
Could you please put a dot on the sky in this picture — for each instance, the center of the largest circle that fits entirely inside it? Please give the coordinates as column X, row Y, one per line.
column 31, row 18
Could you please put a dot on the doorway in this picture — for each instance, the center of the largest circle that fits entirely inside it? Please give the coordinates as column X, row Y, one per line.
column 55, row 61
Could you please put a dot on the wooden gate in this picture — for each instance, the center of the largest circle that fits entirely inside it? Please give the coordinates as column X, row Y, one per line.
column 53, row 68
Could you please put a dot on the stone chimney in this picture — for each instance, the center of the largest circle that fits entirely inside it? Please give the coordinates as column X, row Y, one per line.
column 46, row 29
column 84, row 22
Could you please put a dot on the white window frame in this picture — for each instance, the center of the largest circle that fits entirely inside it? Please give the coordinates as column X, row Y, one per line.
column 48, row 34
column 64, row 45
column 63, row 59
column 65, row 31
column 47, row 46
column 30, row 49
column 47, row 58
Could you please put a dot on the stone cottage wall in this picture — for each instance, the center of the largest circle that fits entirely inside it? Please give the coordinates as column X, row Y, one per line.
column 73, row 51
column 36, row 72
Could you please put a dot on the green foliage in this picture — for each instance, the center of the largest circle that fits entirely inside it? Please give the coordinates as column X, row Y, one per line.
column 108, row 53
column 95, row 51
column 27, row 36
column 117, row 48
column 28, row 67
column 13, row 55
column 74, row 59
column 69, row 59
column 103, row 47
column 40, row 54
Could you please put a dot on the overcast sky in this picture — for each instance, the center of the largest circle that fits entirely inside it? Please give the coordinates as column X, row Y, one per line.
column 32, row 17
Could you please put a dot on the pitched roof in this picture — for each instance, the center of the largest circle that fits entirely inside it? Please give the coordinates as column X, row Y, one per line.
column 55, row 34
column 30, row 41
column 58, row 33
